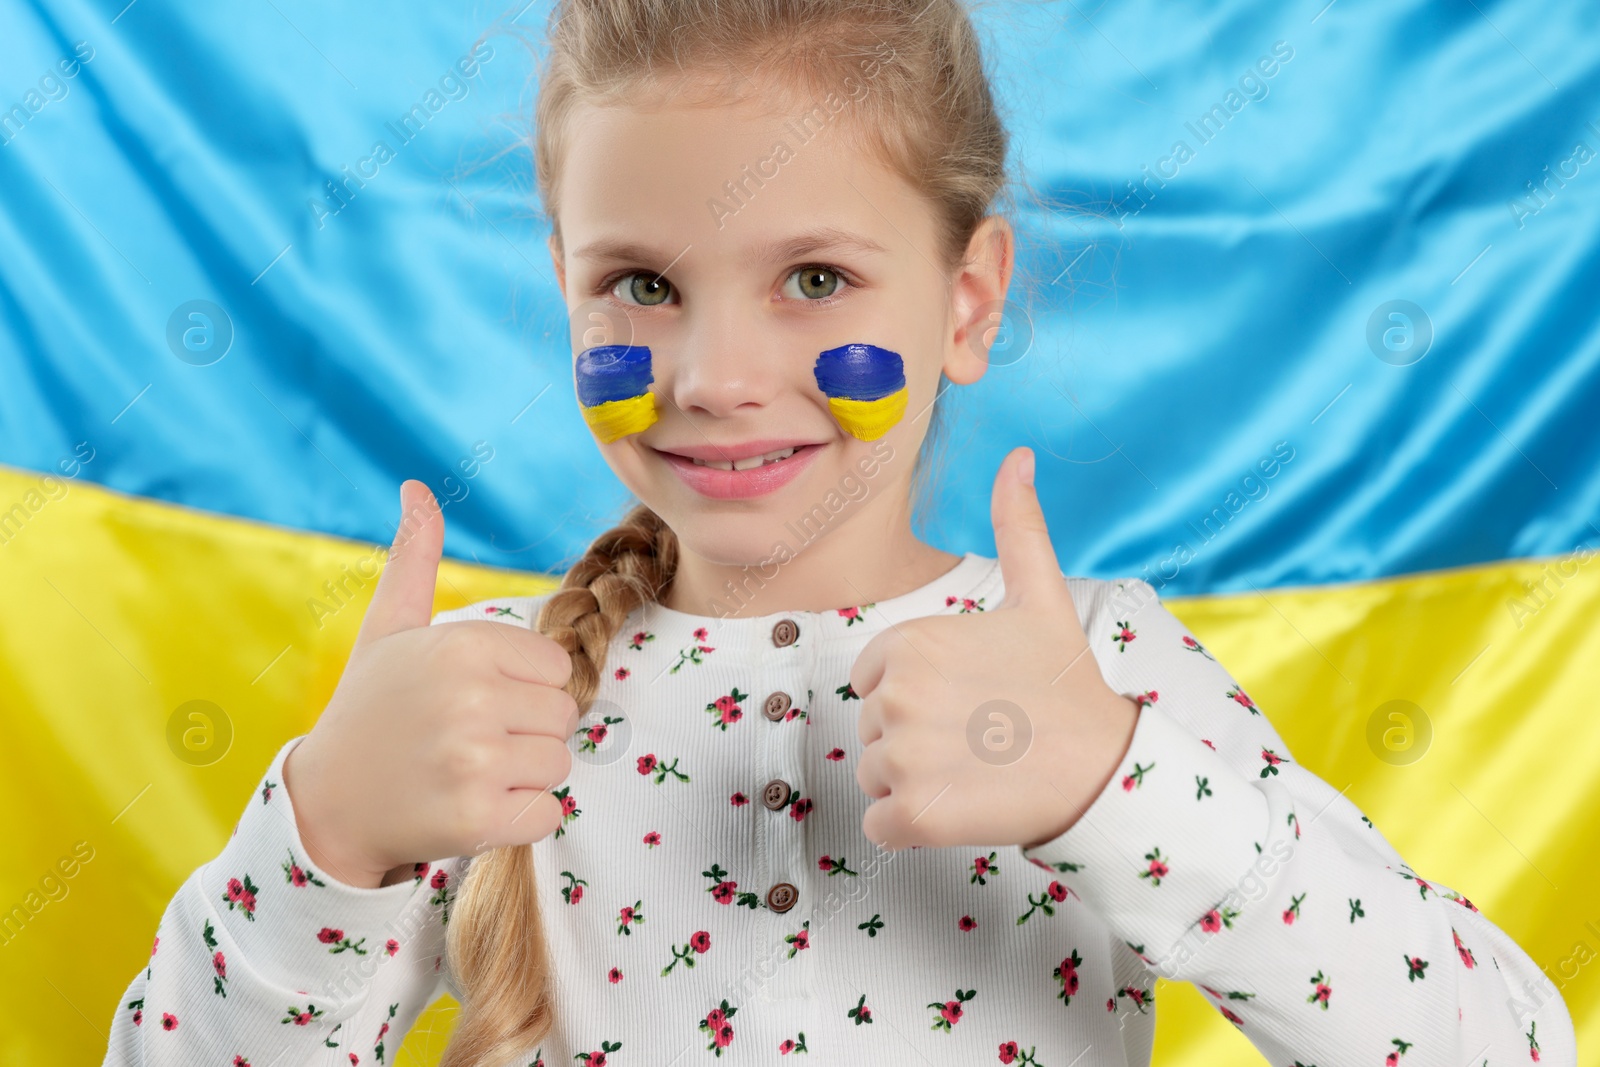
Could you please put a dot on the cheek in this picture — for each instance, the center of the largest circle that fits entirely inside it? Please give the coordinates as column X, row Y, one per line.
column 613, row 383
column 865, row 386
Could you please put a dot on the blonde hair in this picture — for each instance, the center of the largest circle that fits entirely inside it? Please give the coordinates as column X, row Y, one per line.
column 929, row 115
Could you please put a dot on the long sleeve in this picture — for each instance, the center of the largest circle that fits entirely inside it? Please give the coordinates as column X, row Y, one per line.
column 261, row 959
column 1224, row 863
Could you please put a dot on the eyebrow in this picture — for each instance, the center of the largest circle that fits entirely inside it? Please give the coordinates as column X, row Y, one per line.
column 820, row 239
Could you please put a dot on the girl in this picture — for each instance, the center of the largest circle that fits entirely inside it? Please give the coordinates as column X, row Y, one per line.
column 768, row 775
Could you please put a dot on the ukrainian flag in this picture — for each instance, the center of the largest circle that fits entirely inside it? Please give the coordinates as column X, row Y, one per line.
column 865, row 386
column 1315, row 360
column 613, row 383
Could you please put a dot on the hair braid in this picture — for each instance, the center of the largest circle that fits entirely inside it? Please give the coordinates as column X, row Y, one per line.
column 496, row 945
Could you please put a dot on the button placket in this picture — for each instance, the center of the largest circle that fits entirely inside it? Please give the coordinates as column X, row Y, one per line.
column 786, row 670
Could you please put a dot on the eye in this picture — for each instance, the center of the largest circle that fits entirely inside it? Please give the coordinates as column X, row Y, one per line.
column 644, row 288
column 814, row 283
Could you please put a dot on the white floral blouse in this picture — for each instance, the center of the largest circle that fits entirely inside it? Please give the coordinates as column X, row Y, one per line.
column 710, row 896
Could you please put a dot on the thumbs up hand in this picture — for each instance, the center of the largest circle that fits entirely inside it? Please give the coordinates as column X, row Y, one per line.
column 439, row 741
column 992, row 728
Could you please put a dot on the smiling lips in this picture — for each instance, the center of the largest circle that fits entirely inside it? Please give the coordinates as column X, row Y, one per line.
column 738, row 471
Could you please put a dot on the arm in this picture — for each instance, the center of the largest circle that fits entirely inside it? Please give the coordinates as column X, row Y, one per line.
column 260, row 956
column 1224, row 863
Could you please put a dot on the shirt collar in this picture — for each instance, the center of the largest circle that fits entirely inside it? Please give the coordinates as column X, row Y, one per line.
column 973, row 584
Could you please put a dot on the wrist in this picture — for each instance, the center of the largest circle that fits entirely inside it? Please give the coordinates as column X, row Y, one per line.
column 1113, row 720
column 323, row 849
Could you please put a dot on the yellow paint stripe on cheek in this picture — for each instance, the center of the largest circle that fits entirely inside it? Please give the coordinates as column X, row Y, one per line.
column 618, row 418
column 868, row 420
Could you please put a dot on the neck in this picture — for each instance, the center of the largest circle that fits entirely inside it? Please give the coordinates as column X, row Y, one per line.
column 860, row 563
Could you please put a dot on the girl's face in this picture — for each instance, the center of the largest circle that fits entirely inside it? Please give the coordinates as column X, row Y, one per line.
column 736, row 253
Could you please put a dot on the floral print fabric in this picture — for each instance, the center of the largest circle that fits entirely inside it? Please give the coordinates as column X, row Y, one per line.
column 709, row 895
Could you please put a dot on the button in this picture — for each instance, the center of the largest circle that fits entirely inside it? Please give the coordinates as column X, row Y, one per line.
column 775, row 794
column 776, row 706
column 782, row 896
column 786, row 632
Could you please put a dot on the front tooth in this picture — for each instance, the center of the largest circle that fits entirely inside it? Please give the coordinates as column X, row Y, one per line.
column 747, row 464
column 782, row 453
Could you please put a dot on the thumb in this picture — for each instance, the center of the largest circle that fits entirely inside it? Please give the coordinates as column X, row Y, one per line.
column 1028, row 565
column 404, row 597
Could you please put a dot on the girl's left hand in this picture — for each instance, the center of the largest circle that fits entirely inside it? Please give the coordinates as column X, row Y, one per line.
column 994, row 727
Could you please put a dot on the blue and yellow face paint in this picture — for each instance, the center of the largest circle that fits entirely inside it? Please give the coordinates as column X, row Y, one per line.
column 865, row 386
column 614, row 390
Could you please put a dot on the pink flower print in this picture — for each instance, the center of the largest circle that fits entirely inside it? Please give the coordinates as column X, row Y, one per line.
column 440, row 876
column 800, row 940
column 726, row 709
column 242, row 895
column 1230, row 1016
column 621, row 673
column 950, row 1011
column 330, row 936
column 1273, row 759
column 169, row 1021
column 1123, row 636
column 1415, row 966
column 1211, row 922
column 154, row 944
column 701, row 634
column 640, row 638
column 850, row 615
column 695, row 652
column 266, row 794
column 219, row 964
column 1057, row 891
column 240, row 1061
column 835, row 755
column 1145, row 699
column 1195, row 646
column 1067, row 974
column 1240, row 697
column 1292, row 912
column 573, row 890
column 966, row 923
column 738, row 800
column 614, row 975
column 568, row 805
column 1136, row 779
column 138, row 1016
column 981, row 867
column 700, row 940
column 420, row 871
column 799, row 809
column 1136, row 996
column 647, row 764
column 652, row 839
column 598, row 1058
column 1321, row 993
column 299, row 876
column 1467, row 959
column 834, row 866
column 860, row 1013
column 1157, row 869
column 499, row 613
column 1208, row 744
column 716, row 1024
column 1008, row 1051
column 722, row 892
column 390, row 947
column 628, row 915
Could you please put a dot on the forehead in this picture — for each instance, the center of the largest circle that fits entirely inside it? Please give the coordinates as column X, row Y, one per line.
column 729, row 178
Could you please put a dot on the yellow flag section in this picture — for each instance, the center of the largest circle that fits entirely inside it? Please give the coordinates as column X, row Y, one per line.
column 121, row 612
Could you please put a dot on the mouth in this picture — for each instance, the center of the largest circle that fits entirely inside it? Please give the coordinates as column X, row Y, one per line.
column 728, row 475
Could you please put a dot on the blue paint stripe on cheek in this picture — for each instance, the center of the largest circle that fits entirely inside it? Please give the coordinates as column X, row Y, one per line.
column 860, row 372
column 612, row 372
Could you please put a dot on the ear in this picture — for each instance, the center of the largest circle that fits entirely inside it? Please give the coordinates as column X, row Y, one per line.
column 561, row 268
column 976, row 295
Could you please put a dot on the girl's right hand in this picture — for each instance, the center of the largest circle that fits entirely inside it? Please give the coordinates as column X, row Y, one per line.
column 439, row 741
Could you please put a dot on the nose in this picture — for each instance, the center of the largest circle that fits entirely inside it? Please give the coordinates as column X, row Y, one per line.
column 726, row 362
